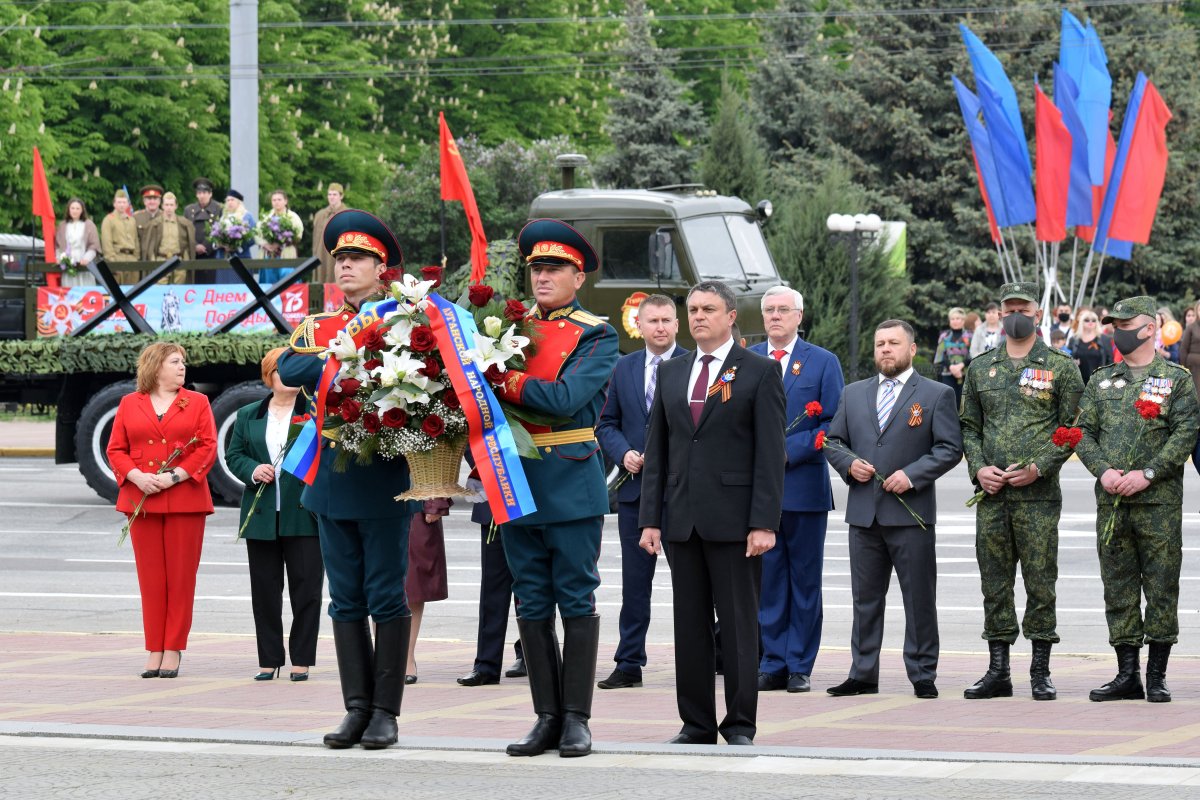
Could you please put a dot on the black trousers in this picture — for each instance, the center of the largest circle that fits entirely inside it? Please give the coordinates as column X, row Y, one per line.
column 300, row 556
column 704, row 574
column 495, row 597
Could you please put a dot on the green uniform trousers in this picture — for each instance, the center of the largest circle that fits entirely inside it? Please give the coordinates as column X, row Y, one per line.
column 1008, row 532
column 1144, row 555
column 554, row 564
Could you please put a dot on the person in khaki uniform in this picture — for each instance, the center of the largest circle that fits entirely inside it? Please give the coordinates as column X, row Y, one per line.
column 324, row 273
column 1014, row 397
column 119, row 237
column 170, row 235
column 1137, row 456
column 151, row 207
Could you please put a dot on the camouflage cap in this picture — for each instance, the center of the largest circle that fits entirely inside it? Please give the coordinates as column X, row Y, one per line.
column 1023, row 290
column 1132, row 307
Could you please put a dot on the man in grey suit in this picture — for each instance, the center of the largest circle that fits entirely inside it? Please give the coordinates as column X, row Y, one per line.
column 908, row 426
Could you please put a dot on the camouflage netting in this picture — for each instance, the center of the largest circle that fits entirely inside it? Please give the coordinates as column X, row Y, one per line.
column 119, row 352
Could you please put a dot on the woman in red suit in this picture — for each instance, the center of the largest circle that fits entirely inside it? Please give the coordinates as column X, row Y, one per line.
column 151, row 423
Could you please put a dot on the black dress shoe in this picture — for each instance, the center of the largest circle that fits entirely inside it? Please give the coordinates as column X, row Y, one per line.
column 409, row 680
column 739, row 739
column 517, row 670
column 477, row 678
column 926, row 690
column 771, row 683
column 683, row 738
column 851, row 687
column 620, row 680
column 798, row 682
column 150, row 673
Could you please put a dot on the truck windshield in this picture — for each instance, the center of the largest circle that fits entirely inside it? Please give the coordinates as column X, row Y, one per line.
column 729, row 246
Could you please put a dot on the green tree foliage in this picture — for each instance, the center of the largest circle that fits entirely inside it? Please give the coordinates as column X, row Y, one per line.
column 819, row 267
column 734, row 161
column 872, row 91
column 653, row 126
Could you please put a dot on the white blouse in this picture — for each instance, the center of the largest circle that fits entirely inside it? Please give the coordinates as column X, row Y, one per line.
column 77, row 243
column 277, row 433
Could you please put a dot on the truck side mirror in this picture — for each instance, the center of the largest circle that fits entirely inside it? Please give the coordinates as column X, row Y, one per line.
column 661, row 254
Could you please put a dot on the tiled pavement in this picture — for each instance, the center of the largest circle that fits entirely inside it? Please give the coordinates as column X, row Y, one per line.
column 63, row 682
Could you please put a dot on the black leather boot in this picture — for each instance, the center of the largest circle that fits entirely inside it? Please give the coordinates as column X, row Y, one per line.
column 352, row 642
column 1156, row 673
column 1039, row 671
column 540, row 648
column 997, row 681
column 1128, row 683
column 581, row 637
column 391, row 659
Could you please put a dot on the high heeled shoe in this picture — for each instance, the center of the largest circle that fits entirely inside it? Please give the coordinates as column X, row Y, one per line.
column 268, row 675
column 151, row 673
column 298, row 676
column 172, row 673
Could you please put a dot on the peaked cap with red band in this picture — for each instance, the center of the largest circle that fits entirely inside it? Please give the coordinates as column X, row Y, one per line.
column 552, row 241
column 357, row 231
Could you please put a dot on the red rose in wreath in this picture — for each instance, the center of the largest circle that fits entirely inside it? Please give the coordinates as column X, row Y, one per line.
column 434, row 274
column 450, row 399
column 350, row 385
column 350, row 410
column 480, row 294
column 515, row 311
column 390, row 274
column 434, row 426
column 395, row 418
column 494, row 375
column 422, row 339
column 431, row 369
column 374, row 341
column 370, row 422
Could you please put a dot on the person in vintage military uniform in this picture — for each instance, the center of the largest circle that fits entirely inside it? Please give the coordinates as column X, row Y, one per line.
column 201, row 214
column 118, row 237
column 335, row 195
column 169, row 235
column 552, row 553
column 151, row 207
column 363, row 530
column 1139, row 462
column 1014, row 397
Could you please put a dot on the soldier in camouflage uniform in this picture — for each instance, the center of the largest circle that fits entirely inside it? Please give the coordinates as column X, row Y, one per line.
column 1139, row 462
column 1014, row 397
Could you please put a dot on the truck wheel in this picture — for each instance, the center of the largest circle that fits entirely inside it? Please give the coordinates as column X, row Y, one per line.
column 91, row 438
column 224, row 409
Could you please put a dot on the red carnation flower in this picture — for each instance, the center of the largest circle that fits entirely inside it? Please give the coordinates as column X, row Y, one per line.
column 300, row 419
column 1061, row 436
column 374, row 341
column 515, row 311
column 350, row 385
column 370, row 422
column 178, row 445
column 390, row 274
column 494, row 375
column 395, row 418
column 434, row 274
column 350, row 410
column 480, row 294
column 372, row 363
column 432, row 368
column 819, row 442
column 422, row 339
column 1148, row 409
column 433, row 426
column 1076, row 436
column 450, row 399
column 813, row 409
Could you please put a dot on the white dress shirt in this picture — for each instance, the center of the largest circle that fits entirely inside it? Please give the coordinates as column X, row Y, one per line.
column 900, row 380
column 714, row 367
column 647, row 368
column 786, row 361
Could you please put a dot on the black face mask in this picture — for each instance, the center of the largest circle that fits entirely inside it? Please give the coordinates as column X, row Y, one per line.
column 1019, row 326
column 1127, row 340
column 1064, row 317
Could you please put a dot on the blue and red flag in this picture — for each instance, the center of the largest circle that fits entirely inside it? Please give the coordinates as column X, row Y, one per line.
column 987, row 68
column 1095, row 103
column 981, row 152
column 1145, row 171
column 1053, row 142
column 1014, row 177
column 1102, row 241
column 1079, row 195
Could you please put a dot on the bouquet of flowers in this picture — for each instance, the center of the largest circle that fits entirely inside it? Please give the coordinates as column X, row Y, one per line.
column 70, row 266
column 822, row 443
column 177, row 449
column 1062, row 437
column 1147, row 410
column 278, row 230
column 230, row 233
column 293, row 431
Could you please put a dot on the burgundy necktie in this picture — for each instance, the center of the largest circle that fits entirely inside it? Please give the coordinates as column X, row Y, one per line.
column 700, row 390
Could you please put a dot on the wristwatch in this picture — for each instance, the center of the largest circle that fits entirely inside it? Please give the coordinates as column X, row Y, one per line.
column 1149, row 473
column 174, row 476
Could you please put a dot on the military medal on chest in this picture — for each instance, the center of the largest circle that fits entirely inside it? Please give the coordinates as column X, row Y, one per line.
column 1036, row 383
column 1156, row 390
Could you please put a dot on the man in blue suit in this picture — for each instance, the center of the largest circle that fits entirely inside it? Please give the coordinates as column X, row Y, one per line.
column 790, row 610
column 622, row 435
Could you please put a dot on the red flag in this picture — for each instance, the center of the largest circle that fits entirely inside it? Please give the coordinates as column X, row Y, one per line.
column 987, row 202
column 1088, row 232
column 1053, row 169
column 1145, row 172
column 456, row 186
column 42, row 206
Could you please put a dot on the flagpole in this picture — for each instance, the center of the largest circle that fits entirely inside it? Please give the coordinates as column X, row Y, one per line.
column 1003, row 246
column 1016, row 256
column 1000, row 258
column 443, row 217
column 1100, row 266
column 1071, row 292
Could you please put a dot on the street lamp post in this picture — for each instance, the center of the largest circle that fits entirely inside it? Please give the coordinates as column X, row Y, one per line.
column 854, row 230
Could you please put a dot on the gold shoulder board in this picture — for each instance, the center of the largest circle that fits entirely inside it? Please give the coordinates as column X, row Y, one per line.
column 583, row 317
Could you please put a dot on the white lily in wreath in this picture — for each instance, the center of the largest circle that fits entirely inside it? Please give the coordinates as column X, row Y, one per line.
column 344, row 349
column 488, row 351
column 400, row 332
column 401, row 373
column 411, row 292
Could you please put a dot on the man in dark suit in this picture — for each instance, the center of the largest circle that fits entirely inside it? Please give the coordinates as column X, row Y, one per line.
column 714, row 465
column 622, row 435
column 791, row 611
column 909, row 427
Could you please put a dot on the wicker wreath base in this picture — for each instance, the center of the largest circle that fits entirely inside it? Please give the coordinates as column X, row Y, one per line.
column 434, row 473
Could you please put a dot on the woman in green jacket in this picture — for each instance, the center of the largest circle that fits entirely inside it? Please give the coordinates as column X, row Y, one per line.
column 281, row 534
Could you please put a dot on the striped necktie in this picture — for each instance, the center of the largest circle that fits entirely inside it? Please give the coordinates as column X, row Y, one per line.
column 650, row 384
column 887, row 399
